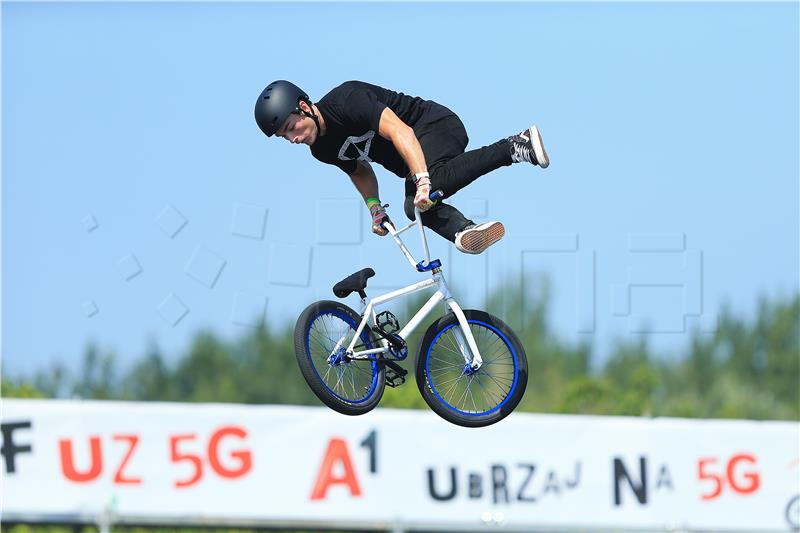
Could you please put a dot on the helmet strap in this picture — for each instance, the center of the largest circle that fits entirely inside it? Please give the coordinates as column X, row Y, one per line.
column 312, row 115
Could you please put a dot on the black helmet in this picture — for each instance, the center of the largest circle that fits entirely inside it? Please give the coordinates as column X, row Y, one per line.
column 276, row 103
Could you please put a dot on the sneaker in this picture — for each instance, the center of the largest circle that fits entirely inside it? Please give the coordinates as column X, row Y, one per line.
column 476, row 238
column 527, row 146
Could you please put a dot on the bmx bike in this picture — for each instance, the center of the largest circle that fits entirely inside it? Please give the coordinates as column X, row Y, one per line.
column 471, row 368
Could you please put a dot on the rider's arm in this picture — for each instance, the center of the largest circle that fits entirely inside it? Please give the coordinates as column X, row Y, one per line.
column 365, row 181
column 405, row 142
column 363, row 177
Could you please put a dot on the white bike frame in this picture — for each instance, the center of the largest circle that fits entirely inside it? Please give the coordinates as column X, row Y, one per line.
column 464, row 337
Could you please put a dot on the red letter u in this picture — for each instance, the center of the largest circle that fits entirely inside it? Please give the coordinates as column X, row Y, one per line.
column 68, row 464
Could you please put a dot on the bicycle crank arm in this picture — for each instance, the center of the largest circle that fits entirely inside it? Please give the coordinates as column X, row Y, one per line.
column 395, row 374
column 396, row 341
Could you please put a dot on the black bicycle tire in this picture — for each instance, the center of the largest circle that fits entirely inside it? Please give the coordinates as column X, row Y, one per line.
column 310, row 374
column 445, row 412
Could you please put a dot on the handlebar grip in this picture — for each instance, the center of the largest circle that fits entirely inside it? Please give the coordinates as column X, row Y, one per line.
column 436, row 195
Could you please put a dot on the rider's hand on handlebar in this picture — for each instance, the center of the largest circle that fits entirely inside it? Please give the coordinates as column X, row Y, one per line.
column 379, row 216
column 421, row 199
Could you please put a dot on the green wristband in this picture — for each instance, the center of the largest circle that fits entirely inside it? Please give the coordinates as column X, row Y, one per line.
column 372, row 201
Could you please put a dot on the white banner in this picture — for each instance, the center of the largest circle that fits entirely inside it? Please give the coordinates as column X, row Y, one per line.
column 264, row 465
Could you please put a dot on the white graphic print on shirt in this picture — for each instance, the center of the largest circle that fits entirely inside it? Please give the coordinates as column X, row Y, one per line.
column 356, row 142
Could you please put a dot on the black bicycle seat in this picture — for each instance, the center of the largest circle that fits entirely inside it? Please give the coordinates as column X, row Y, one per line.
column 353, row 282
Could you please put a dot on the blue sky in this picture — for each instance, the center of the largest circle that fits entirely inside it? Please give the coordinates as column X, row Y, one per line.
column 140, row 202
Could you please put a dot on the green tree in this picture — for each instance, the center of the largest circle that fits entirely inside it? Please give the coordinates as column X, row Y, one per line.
column 97, row 378
column 10, row 388
column 150, row 378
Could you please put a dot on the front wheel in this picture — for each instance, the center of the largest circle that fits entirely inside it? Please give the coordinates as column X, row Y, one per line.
column 455, row 392
column 321, row 336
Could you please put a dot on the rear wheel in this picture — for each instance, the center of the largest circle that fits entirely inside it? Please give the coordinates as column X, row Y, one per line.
column 450, row 387
column 321, row 335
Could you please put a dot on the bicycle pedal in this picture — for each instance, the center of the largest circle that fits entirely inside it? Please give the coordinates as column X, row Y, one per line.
column 395, row 374
column 393, row 380
column 387, row 322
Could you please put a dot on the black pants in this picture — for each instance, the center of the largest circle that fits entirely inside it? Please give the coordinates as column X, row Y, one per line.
column 451, row 169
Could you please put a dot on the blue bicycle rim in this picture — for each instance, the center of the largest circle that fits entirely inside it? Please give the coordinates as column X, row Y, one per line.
column 364, row 337
column 510, row 392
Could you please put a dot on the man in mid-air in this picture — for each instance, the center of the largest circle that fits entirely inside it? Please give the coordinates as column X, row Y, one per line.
column 419, row 140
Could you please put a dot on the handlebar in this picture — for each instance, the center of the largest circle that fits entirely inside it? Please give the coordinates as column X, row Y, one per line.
column 434, row 196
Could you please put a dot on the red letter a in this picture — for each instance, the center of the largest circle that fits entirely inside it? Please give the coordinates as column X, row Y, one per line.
column 335, row 454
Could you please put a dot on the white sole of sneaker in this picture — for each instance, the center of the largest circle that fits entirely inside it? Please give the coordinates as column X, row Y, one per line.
column 538, row 147
column 475, row 241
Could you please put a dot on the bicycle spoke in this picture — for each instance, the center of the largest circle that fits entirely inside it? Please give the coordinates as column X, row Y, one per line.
column 454, row 342
column 466, row 391
column 328, row 347
column 496, row 382
column 480, row 384
column 472, row 398
column 489, row 359
column 454, row 385
column 496, row 398
column 449, row 365
column 338, row 378
column 325, row 348
column 456, row 351
column 447, row 382
column 327, row 331
column 327, row 373
column 451, row 337
column 438, row 372
column 448, row 359
column 352, row 382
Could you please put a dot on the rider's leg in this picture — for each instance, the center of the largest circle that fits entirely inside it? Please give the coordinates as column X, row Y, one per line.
column 451, row 169
column 443, row 142
column 465, row 168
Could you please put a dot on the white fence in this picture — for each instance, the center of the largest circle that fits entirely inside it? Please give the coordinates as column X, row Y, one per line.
column 169, row 463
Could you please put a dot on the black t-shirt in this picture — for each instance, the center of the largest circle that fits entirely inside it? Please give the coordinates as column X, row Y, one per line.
column 352, row 112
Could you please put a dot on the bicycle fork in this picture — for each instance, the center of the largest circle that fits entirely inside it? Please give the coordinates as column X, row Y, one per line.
column 469, row 342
